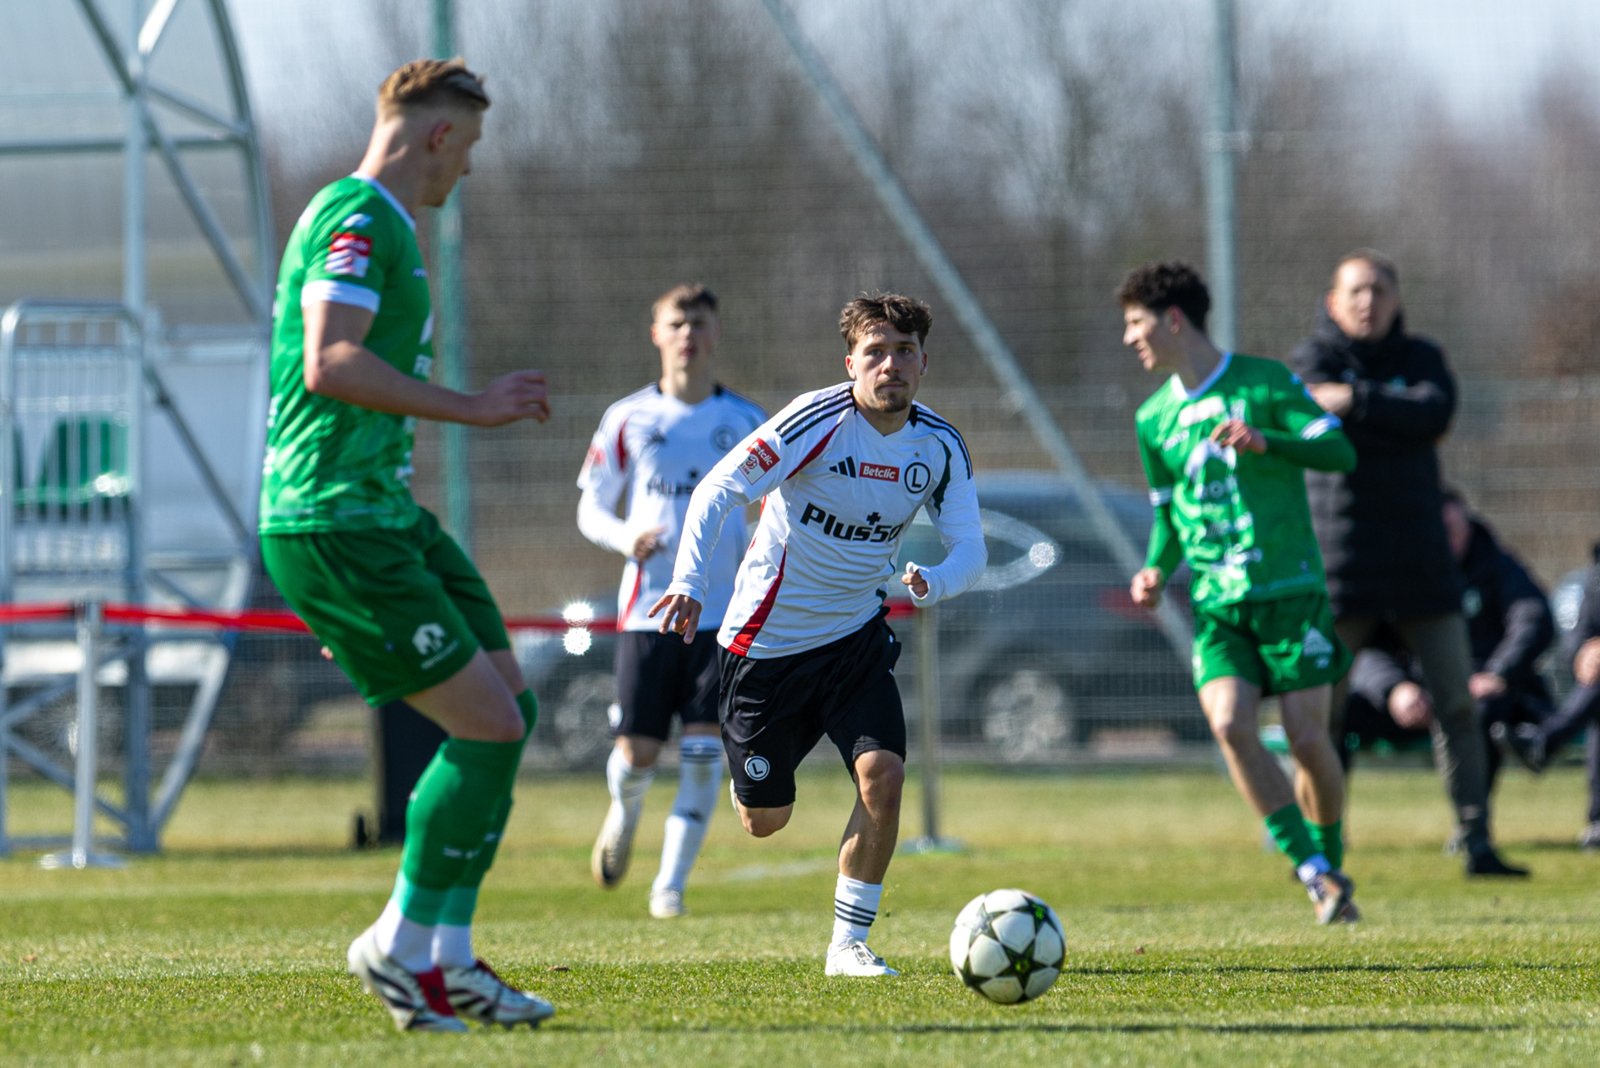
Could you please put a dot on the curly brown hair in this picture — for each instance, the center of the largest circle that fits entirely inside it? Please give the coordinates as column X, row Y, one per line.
column 1173, row 284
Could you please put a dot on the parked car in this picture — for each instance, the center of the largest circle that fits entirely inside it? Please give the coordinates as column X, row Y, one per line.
column 1046, row 650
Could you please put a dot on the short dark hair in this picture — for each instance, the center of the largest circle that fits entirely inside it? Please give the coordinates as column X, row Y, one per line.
column 905, row 314
column 684, row 296
column 1173, row 284
column 1378, row 261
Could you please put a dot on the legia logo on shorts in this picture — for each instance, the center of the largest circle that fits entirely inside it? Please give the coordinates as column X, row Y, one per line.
column 757, row 767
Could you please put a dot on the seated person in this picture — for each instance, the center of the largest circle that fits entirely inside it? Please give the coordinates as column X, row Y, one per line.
column 1509, row 626
column 1536, row 744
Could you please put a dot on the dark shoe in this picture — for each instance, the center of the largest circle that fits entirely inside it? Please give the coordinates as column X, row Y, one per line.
column 1488, row 862
column 1523, row 742
column 1590, row 838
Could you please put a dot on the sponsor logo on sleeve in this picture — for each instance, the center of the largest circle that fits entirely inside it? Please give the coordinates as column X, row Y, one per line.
column 349, row 254
column 761, row 460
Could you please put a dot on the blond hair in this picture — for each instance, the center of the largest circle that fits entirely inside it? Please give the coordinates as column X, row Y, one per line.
column 426, row 83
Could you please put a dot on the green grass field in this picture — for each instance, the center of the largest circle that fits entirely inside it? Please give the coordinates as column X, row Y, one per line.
column 1187, row 943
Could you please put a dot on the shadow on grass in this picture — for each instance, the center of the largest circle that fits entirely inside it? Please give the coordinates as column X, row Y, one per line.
column 1034, row 1027
column 1315, row 969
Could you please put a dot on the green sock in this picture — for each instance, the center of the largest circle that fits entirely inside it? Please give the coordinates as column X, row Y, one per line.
column 418, row 904
column 1288, row 829
column 461, row 900
column 462, row 790
column 1329, row 841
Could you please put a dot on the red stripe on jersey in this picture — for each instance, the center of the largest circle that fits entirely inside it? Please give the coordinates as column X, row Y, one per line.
column 622, row 446
column 747, row 634
column 812, row 455
column 633, row 595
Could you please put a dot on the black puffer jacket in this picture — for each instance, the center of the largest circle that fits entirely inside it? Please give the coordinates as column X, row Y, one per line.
column 1508, row 615
column 1383, row 541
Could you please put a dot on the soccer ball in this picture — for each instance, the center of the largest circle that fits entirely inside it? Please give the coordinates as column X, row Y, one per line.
column 1008, row 946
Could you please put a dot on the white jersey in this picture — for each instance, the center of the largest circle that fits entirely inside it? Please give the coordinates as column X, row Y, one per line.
column 654, row 448
column 839, row 495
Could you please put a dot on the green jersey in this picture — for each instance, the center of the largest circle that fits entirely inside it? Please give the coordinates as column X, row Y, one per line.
column 332, row 465
column 1239, row 518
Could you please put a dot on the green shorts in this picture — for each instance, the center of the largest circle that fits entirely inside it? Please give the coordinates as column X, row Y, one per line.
column 1281, row 646
column 401, row 610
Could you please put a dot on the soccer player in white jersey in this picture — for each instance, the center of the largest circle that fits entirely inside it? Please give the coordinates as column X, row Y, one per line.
column 652, row 447
column 804, row 649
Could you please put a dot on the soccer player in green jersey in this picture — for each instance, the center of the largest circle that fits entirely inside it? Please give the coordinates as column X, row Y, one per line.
column 394, row 599
column 1225, row 442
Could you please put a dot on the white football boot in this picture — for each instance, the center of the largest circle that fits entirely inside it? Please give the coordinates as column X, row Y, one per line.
column 613, row 848
column 477, row 993
column 416, row 1000
column 855, row 959
column 667, row 904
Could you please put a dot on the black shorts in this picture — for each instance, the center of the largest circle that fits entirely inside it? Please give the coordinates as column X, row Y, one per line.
column 658, row 676
column 775, row 711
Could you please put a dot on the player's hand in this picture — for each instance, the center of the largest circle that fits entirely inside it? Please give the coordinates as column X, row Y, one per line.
column 1237, row 434
column 1410, row 707
column 1486, row 684
column 681, row 615
column 1145, row 589
column 1586, row 664
column 914, row 581
column 1335, row 397
column 646, row 543
column 518, row 395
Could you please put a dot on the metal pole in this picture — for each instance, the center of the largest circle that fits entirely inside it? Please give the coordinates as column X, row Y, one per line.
column 82, row 853
column 1222, row 142
column 928, row 734
column 451, row 338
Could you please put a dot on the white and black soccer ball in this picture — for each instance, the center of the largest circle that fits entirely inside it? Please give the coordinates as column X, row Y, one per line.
column 1008, row 946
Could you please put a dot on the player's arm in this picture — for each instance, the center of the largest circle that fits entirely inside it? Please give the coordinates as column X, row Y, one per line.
column 1529, row 627
column 1164, row 552
column 749, row 471
column 603, row 480
column 338, row 365
column 1302, row 432
column 956, row 517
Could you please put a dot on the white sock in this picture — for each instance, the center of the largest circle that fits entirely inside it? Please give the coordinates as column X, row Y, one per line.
column 452, row 946
column 855, row 906
column 406, row 941
column 627, row 783
column 699, row 772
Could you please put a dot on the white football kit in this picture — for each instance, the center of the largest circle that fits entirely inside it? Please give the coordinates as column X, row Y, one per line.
column 839, row 495
column 655, row 448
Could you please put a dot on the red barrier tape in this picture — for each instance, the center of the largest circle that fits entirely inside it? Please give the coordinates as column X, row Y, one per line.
column 263, row 621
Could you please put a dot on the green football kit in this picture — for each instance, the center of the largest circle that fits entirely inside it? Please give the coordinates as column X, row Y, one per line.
column 342, row 537
column 1241, row 521
column 392, row 596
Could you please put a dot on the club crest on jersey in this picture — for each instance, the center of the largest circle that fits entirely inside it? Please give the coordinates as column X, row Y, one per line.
column 834, row 527
column 761, row 460
column 349, row 254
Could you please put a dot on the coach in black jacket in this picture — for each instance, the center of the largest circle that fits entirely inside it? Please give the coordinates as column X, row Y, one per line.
column 1379, row 526
column 1509, row 622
